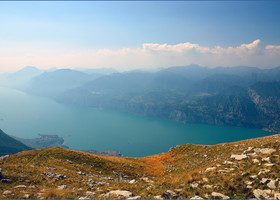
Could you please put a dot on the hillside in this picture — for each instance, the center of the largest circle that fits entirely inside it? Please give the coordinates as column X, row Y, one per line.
column 243, row 170
column 8, row 145
column 19, row 79
column 191, row 94
column 229, row 96
column 43, row 141
column 52, row 83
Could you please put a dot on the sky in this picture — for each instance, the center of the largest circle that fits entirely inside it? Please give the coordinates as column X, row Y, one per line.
column 131, row 35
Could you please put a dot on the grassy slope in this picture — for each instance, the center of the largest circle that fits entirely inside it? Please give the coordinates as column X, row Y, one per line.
column 9, row 145
column 175, row 170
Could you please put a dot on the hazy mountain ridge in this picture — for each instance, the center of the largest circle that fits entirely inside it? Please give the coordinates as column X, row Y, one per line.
column 218, row 96
column 19, row 79
column 191, row 94
column 52, row 83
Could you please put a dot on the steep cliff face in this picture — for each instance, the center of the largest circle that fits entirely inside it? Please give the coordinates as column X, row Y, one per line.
column 233, row 108
column 268, row 107
column 238, row 96
column 255, row 107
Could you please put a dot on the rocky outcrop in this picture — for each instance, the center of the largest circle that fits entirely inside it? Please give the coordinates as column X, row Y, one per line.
column 6, row 192
column 118, row 193
column 217, row 195
column 169, row 194
column 264, row 150
column 54, row 175
column 239, row 157
column 89, row 195
column 20, row 186
column 194, row 185
column 61, row 187
column 210, row 169
column 273, row 184
column 277, row 196
column 262, row 194
column 196, row 197
column 136, row 197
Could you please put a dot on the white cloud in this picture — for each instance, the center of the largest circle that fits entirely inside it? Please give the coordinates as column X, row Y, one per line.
column 180, row 48
column 239, row 50
column 272, row 49
column 187, row 53
column 185, row 48
column 149, row 55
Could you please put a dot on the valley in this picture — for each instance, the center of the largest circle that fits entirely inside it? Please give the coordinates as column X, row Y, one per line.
column 26, row 116
column 236, row 96
column 140, row 99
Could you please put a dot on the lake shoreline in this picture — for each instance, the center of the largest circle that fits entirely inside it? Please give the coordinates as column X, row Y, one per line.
column 84, row 129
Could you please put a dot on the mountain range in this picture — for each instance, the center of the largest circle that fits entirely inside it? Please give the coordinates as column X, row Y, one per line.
column 238, row 96
column 229, row 96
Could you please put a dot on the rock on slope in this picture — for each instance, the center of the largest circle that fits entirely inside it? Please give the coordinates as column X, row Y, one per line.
column 239, row 170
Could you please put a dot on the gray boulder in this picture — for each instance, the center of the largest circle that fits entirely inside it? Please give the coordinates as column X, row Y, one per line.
column 273, row 184
column 262, row 194
column 267, row 159
column 264, row 150
column 254, row 177
column 20, row 186
column 118, row 193
column 265, row 180
column 194, row 185
column 169, row 194
column 90, row 194
column 6, row 192
column 3, row 157
column 210, row 169
column 269, row 164
column 196, row 197
column 239, row 157
column 217, row 195
column 61, row 187
column 136, row 197
column 256, row 160
column 277, row 196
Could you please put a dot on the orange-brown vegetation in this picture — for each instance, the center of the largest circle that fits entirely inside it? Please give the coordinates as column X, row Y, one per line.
column 155, row 164
column 182, row 169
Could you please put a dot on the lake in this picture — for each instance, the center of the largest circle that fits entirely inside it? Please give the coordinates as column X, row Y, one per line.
column 27, row 116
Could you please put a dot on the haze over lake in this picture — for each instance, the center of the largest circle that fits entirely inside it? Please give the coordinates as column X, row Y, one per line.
column 27, row 116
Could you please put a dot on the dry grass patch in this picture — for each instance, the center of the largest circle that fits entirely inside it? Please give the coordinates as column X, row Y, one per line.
column 156, row 164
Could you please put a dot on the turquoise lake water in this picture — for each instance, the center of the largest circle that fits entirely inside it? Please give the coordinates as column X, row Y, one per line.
column 27, row 116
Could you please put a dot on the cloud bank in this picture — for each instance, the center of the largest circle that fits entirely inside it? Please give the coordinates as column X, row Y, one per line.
column 152, row 55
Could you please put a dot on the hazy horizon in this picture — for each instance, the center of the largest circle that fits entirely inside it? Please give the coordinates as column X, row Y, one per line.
column 51, row 69
column 138, row 35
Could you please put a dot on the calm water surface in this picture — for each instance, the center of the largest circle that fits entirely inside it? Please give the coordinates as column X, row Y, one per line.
column 27, row 116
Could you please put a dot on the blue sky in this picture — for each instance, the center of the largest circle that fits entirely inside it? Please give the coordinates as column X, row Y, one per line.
column 128, row 35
